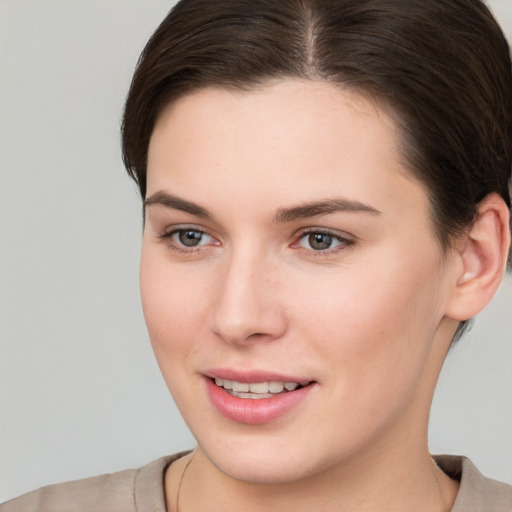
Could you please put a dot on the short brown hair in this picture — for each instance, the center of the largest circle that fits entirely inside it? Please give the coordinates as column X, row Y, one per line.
column 443, row 66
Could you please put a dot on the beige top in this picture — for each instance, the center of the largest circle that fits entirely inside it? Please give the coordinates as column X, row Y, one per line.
column 141, row 490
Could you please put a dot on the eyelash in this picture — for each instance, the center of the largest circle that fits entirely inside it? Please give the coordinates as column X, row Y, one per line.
column 173, row 245
column 344, row 242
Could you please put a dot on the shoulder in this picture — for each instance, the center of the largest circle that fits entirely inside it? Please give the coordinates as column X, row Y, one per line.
column 131, row 490
column 113, row 491
column 477, row 493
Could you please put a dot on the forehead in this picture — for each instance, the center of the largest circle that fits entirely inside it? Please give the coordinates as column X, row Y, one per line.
column 289, row 139
column 289, row 100
column 277, row 116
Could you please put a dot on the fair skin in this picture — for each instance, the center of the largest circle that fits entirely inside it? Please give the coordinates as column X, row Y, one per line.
column 354, row 299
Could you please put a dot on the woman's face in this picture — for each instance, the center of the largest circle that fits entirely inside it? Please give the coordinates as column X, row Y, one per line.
column 286, row 245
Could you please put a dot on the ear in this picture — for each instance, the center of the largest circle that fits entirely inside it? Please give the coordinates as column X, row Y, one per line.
column 481, row 259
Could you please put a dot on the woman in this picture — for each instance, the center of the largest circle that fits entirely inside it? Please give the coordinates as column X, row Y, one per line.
column 326, row 201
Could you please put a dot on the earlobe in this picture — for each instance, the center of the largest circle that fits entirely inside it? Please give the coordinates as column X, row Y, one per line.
column 482, row 257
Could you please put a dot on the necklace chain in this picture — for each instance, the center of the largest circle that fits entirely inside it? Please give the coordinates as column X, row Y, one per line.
column 181, row 481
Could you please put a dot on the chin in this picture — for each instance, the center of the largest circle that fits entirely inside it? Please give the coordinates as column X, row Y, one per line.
column 256, row 471
column 259, row 461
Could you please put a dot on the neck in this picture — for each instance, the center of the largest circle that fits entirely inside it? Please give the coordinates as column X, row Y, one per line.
column 389, row 483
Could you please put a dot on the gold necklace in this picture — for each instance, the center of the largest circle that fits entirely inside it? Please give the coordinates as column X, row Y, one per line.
column 181, row 481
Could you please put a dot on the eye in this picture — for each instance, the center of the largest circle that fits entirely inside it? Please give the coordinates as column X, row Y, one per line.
column 190, row 237
column 187, row 239
column 322, row 241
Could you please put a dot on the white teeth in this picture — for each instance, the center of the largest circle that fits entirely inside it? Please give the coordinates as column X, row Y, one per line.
column 262, row 389
column 253, row 396
column 275, row 386
column 240, row 387
column 258, row 387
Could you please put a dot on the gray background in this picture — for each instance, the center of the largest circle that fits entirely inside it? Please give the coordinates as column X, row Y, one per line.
column 80, row 393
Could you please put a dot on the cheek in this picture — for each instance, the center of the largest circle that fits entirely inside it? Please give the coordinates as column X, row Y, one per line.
column 375, row 325
column 173, row 314
column 170, row 301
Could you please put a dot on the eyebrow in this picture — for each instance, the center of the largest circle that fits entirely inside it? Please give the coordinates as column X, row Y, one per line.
column 162, row 198
column 302, row 211
column 324, row 207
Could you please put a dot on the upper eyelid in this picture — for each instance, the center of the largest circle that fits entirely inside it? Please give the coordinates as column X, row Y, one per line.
column 169, row 230
column 327, row 231
column 162, row 219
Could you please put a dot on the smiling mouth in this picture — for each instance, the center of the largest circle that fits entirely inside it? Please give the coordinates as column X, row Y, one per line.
column 258, row 390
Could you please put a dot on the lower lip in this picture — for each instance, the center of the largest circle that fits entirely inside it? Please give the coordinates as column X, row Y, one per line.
column 254, row 411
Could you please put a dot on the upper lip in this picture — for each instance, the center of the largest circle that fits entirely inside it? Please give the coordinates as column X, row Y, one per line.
column 252, row 376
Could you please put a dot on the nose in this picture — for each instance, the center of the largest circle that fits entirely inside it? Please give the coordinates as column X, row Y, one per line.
column 246, row 306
